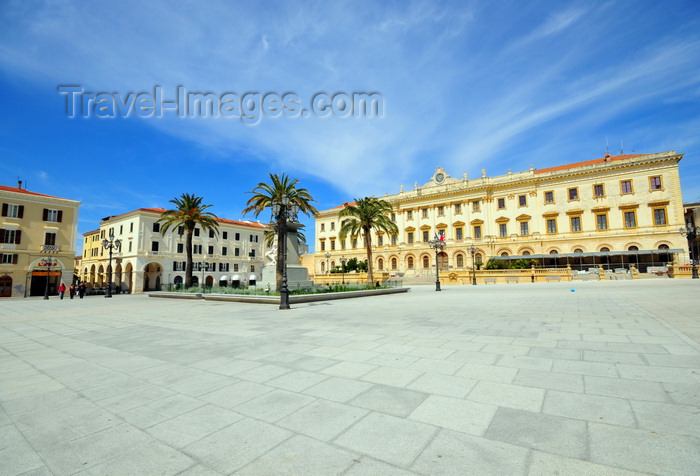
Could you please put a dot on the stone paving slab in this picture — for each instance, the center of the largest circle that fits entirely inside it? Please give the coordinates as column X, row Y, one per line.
column 528, row 380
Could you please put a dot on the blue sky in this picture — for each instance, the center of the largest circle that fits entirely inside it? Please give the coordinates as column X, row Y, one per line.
column 490, row 84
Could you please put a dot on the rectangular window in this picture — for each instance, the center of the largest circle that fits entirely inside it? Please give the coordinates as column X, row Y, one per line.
column 503, row 230
column 154, row 246
column 380, row 240
column 252, row 253
column 238, row 237
column 425, row 237
column 477, row 232
column 323, row 227
column 410, row 237
column 551, row 226
column 573, row 193
column 659, row 216
column 522, row 200
column 10, row 236
column 12, row 211
column 441, row 211
column 424, row 213
column 548, row 197
column 224, row 251
column 237, row 251
column 156, row 227
column 323, row 246
column 130, row 245
column 599, row 190
column 476, row 206
column 601, row 221
column 332, row 245
column 655, row 183
column 235, row 267
column 9, row 258
column 53, row 215
column 575, row 224
column 409, row 215
column 50, row 238
column 626, row 186
column 630, row 220
column 224, row 235
column 501, row 203
column 131, row 227
column 332, row 225
column 196, row 232
column 121, row 229
column 394, row 240
column 197, row 249
column 459, row 233
column 524, row 228
column 458, row 208
column 180, row 247
column 210, row 250
column 393, row 217
column 211, row 233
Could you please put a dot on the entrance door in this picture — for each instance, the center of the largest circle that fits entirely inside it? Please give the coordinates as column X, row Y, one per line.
column 442, row 261
column 5, row 286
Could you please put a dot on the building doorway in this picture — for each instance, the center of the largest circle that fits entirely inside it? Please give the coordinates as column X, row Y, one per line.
column 5, row 286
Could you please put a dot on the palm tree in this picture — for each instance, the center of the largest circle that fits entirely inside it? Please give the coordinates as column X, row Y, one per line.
column 365, row 215
column 187, row 214
column 263, row 197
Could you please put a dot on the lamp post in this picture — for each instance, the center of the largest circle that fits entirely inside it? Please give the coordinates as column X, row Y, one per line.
column 48, row 262
column 438, row 243
column 343, row 259
column 283, row 212
column 110, row 244
column 472, row 250
column 691, row 232
column 328, row 257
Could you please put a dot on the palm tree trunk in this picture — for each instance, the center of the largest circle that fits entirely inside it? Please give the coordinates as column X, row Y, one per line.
column 281, row 246
column 188, row 268
column 368, row 245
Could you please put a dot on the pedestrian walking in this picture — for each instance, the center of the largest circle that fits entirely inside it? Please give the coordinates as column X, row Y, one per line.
column 62, row 290
column 71, row 290
column 81, row 290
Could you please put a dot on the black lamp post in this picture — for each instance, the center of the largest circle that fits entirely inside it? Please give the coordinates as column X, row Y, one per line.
column 48, row 262
column 691, row 232
column 343, row 259
column 472, row 250
column 282, row 213
column 110, row 244
column 438, row 243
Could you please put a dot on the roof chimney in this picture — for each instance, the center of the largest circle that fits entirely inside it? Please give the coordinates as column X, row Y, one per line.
column 19, row 184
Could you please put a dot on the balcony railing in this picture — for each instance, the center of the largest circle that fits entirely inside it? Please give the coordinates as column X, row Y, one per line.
column 49, row 249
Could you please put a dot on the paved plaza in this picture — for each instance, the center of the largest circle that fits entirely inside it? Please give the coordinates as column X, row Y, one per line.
column 514, row 379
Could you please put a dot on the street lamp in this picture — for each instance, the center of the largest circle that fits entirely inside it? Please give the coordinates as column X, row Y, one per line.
column 284, row 212
column 438, row 243
column 343, row 259
column 691, row 232
column 328, row 257
column 48, row 262
column 472, row 249
column 110, row 244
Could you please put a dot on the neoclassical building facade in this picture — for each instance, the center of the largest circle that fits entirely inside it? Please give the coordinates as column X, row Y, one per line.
column 149, row 260
column 33, row 228
column 615, row 211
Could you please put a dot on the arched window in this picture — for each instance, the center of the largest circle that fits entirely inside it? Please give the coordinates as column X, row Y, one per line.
column 632, row 248
column 393, row 263
column 323, row 267
column 426, row 262
column 380, row 263
column 605, row 249
column 663, row 247
column 478, row 258
column 578, row 250
column 410, row 262
column 526, row 253
column 554, row 252
column 460, row 261
column 505, row 253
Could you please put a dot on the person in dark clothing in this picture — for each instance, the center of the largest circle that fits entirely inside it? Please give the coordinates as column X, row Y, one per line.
column 81, row 290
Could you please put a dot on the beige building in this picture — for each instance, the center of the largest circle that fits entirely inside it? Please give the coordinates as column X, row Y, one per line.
column 33, row 228
column 150, row 261
column 613, row 212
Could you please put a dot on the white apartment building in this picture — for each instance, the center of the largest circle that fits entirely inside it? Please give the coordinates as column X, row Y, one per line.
column 149, row 260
